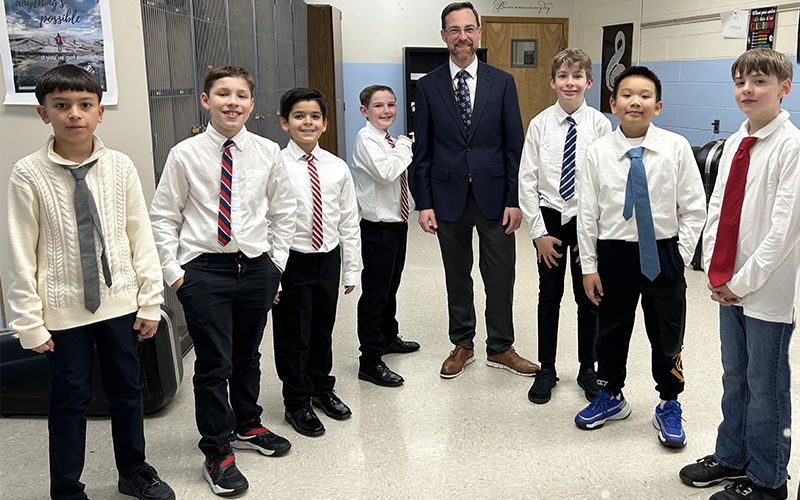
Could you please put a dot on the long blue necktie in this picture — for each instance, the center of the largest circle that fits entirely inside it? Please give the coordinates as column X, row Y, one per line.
column 462, row 99
column 567, row 187
column 636, row 195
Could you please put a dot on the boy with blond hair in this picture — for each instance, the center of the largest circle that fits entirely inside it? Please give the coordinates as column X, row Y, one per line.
column 752, row 255
column 555, row 146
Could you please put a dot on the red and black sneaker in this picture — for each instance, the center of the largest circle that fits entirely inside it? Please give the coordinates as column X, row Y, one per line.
column 262, row 440
column 221, row 472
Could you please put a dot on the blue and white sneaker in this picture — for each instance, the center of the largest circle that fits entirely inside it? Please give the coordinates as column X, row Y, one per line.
column 604, row 407
column 669, row 422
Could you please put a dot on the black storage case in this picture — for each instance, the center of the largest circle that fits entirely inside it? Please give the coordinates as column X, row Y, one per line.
column 25, row 375
column 707, row 158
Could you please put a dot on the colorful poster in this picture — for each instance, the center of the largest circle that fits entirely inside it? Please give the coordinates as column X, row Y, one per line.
column 762, row 28
column 617, row 44
column 40, row 34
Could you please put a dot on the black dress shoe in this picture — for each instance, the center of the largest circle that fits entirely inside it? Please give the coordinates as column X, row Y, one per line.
column 587, row 380
column 400, row 346
column 333, row 407
column 542, row 387
column 380, row 374
column 305, row 422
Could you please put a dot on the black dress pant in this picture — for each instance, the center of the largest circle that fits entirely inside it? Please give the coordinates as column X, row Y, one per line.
column 226, row 298
column 664, row 307
column 497, row 258
column 383, row 251
column 303, row 326
column 551, row 290
column 71, row 393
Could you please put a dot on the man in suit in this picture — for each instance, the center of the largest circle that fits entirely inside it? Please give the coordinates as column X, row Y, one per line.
column 469, row 139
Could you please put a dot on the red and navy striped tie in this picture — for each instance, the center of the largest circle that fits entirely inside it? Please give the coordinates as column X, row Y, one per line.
column 225, row 185
column 316, row 195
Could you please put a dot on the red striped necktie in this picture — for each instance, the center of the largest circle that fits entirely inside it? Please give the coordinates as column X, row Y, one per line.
column 225, row 189
column 403, row 187
column 723, row 260
column 316, row 195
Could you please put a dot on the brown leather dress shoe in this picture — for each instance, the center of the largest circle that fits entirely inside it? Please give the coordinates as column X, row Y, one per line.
column 512, row 362
column 459, row 357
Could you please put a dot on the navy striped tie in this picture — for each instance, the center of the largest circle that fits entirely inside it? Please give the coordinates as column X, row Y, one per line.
column 567, row 187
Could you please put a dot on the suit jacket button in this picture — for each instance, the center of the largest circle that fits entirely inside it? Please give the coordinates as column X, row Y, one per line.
column 469, row 149
column 463, row 175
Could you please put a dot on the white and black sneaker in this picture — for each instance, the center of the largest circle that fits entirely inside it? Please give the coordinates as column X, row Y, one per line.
column 263, row 441
column 220, row 470
column 708, row 472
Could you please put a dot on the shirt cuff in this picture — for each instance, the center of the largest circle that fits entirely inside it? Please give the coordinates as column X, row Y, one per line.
column 152, row 313
column 34, row 337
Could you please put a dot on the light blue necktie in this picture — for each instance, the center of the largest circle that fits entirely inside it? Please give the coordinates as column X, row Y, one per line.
column 462, row 99
column 567, row 187
column 636, row 195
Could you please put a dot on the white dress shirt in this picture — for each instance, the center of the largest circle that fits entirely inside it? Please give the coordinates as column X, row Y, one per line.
column 543, row 158
column 677, row 198
column 472, row 79
column 339, row 208
column 185, row 207
column 765, row 275
column 377, row 167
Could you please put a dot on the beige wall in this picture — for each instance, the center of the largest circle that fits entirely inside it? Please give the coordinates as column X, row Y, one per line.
column 685, row 41
column 125, row 127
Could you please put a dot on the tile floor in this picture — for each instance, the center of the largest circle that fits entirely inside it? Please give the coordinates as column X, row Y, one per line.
column 475, row 436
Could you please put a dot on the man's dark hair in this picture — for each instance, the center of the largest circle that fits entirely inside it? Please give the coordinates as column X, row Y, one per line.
column 67, row 77
column 221, row 72
column 292, row 97
column 366, row 95
column 638, row 71
column 460, row 6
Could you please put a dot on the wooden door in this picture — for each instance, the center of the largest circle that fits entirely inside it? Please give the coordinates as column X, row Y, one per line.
column 544, row 38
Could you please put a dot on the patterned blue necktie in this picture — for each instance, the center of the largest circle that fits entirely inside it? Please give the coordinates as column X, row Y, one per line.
column 462, row 99
column 636, row 195
column 567, row 187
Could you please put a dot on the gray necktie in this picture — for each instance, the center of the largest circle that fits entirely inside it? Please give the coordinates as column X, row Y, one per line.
column 88, row 219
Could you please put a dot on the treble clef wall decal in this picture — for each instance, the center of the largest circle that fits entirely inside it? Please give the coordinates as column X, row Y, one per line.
column 614, row 67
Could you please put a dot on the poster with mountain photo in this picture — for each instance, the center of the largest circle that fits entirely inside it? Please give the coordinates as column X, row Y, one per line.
column 36, row 35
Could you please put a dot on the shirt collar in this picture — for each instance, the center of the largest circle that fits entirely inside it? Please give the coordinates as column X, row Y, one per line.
column 375, row 130
column 768, row 129
column 472, row 69
column 97, row 150
column 562, row 115
column 219, row 140
column 622, row 145
column 298, row 153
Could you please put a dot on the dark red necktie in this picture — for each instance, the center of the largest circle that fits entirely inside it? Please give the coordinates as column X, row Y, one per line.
column 720, row 271
column 403, row 187
column 316, row 196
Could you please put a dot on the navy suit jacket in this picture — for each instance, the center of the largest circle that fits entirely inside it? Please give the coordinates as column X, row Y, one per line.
column 445, row 157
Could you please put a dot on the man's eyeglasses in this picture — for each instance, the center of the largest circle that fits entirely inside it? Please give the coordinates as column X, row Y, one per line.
column 469, row 30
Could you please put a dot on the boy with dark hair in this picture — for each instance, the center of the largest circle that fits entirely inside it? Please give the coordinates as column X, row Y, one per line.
column 57, row 302
column 220, row 194
column 380, row 165
column 555, row 146
column 641, row 208
column 326, row 241
column 752, row 255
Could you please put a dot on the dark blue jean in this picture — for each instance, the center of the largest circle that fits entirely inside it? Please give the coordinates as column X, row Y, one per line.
column 756, row 402
column 71, row 392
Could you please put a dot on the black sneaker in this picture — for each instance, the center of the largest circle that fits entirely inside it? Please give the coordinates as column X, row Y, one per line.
column 708, row 472
column 146, row 485
column 751, row 491
column 587, row 380
column 262, row 440
column 220, row 471
column 542, row 387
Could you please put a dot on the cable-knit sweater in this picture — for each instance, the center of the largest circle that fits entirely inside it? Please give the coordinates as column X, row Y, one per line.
column 46, row 278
